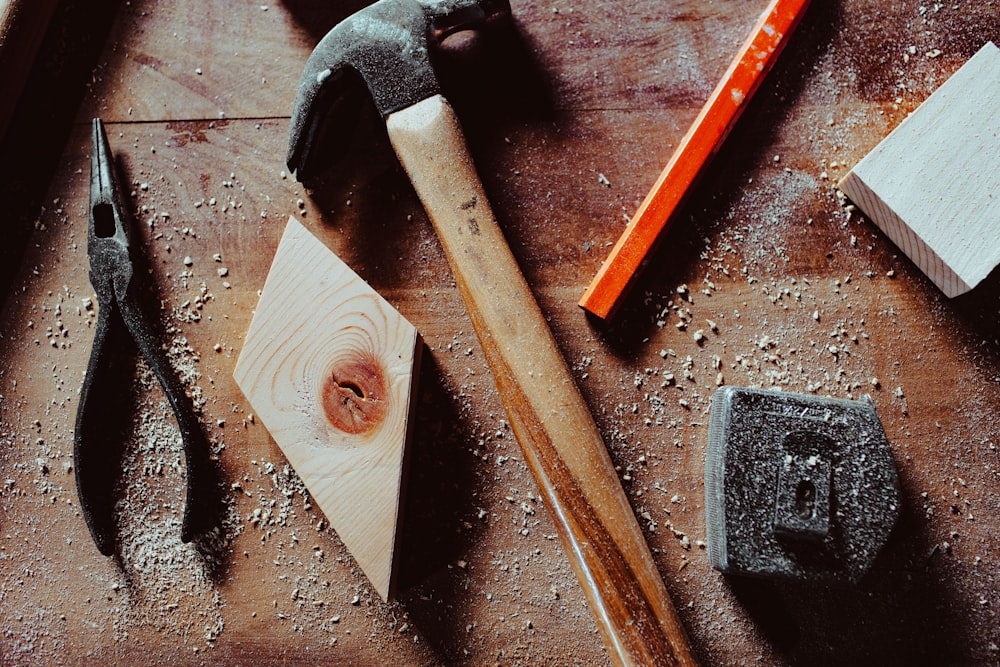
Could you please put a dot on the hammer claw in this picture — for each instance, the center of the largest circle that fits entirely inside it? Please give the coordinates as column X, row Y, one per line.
column 385, row 46
column 325, row 113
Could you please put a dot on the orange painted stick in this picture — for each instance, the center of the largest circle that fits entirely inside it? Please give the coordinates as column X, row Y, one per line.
column 701, row 142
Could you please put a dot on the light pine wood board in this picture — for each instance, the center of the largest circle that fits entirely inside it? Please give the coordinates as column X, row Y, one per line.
column 330, row 367
column 933, row 184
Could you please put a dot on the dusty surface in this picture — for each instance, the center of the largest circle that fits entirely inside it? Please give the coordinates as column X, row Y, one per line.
column 768, row 279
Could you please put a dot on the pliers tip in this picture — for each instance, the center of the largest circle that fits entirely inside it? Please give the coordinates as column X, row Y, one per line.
column 108, row 236
column 102, row 176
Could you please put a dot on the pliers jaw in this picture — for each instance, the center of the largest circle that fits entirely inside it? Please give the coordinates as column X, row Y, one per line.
column 107, row 233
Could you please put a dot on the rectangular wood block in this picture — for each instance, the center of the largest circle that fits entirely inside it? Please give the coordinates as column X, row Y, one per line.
column 933, row 185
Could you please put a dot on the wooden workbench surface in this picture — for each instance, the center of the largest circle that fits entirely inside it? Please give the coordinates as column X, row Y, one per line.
column 570, row 117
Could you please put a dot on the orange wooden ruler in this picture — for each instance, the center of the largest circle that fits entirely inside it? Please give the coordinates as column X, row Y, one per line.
column 701, row 142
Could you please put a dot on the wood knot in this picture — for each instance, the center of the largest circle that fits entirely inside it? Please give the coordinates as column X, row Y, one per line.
column 355, row 400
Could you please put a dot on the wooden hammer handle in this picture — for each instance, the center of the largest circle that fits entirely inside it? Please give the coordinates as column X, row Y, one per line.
column 557, row 434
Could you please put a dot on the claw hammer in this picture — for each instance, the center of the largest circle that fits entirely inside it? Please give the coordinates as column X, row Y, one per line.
column 386, row 45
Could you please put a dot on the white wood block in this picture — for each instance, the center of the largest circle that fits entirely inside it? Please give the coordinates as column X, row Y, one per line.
column 330, row 368
column 933, row 184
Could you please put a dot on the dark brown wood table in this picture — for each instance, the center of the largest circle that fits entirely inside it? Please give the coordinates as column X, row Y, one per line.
column 570, row 115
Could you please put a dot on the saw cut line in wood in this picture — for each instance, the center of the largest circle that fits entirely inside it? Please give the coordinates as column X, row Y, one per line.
column 330, row 368
column 932, row 184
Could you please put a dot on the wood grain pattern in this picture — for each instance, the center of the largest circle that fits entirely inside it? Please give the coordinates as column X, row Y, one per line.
column 549, row 417
column 655, row 215
column 202, row 65
column 484, row 579
column 330, row 368
column 932, row 184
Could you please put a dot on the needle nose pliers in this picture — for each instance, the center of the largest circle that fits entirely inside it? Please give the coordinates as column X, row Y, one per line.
column 113, row 277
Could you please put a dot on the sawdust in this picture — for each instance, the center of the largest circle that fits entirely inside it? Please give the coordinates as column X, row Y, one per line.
column 782, row 323
column 161, row 577
column 495, row 587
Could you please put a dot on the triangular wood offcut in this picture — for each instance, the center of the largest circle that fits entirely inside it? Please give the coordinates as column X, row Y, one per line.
column 330, row 368
column 932, row 185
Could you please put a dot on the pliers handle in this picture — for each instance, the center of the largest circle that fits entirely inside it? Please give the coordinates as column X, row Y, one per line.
column 113, row 279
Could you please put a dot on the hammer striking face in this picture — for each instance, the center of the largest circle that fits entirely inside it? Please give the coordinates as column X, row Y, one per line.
column 385, row 45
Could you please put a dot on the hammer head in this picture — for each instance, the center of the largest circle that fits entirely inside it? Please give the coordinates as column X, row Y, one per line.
column 385, row 45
